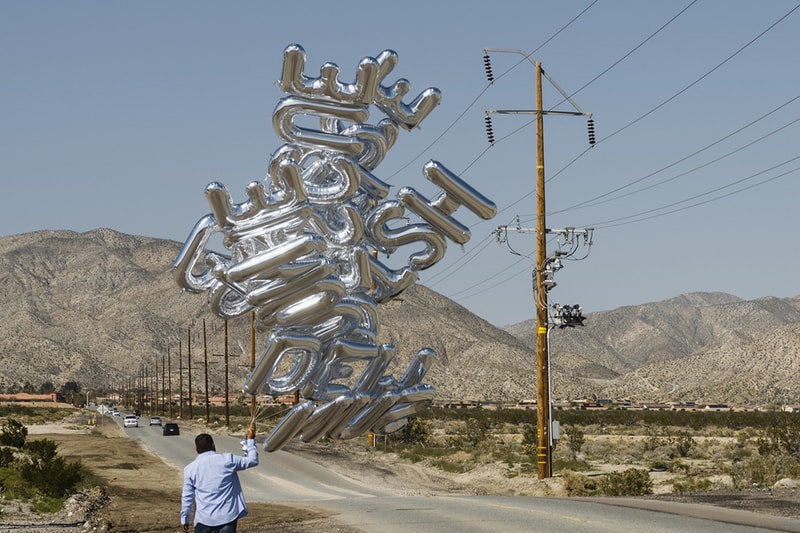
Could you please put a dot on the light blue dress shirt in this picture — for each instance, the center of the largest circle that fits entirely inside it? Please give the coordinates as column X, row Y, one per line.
column 211, row 483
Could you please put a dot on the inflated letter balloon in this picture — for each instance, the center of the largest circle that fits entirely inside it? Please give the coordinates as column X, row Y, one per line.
column 301, row 251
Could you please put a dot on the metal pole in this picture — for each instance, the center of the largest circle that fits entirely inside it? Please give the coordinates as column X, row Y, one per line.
column 542, row 370
column 180, row 380
column 189, row 367
column 252, row 362
column 227, row 404
column 205, row 364
column 169, row 383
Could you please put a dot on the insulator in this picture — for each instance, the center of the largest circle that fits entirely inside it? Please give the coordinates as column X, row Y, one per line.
column 487, row 64
column 489, row 130
column 591, row 131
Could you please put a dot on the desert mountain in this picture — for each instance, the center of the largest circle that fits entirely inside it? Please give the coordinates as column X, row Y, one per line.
column 101, row 307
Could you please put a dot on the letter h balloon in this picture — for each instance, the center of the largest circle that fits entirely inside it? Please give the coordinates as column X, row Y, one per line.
column 302, row 252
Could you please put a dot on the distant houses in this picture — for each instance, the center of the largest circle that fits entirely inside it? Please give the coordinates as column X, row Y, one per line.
column 24, row 397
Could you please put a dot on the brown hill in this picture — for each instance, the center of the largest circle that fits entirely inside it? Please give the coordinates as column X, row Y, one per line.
column 100, row 307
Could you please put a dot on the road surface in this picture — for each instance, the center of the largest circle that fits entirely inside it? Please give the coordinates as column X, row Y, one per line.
column 282, row 477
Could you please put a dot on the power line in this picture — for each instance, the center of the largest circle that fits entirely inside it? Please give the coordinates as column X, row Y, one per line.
column 624, row 57
column 701, row 78
column 674, row 96
column 595, row 200
column 475, row 100
column 609, row 223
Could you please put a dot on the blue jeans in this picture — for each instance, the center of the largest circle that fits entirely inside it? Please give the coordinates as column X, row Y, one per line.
column 230, row 527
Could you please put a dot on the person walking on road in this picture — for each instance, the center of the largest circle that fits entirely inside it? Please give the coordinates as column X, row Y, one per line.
column 211, row 484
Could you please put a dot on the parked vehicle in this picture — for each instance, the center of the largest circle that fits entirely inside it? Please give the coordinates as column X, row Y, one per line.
column 130, row 421
column 170, row 428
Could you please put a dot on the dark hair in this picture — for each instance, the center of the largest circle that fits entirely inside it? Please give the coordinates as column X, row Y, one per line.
column 203, row 443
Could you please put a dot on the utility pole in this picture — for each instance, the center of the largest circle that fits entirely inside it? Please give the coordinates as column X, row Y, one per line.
column 253, row 365
column 169, row 383
column 543, row 402
column 180, row 380
column 205, row 364
column 543, row 421
column 189, row 367
column 163, row 386
column 227, row 392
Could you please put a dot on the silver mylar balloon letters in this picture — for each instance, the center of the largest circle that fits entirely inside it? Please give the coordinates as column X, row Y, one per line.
column 302, row 251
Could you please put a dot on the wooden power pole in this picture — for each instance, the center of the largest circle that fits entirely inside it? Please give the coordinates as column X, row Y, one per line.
column 543, row 453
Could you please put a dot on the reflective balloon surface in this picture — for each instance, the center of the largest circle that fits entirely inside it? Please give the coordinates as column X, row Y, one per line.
column 302, row 251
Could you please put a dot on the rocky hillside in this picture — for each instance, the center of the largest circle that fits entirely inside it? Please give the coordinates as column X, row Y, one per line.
column 99, row 307
column 709, row 347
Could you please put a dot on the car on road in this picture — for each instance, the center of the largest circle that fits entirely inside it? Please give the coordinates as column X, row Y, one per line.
column 130, row 421
column 155, row 420
column 170, row 428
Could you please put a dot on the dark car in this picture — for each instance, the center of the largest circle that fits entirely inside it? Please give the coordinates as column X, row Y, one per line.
column 170, row 428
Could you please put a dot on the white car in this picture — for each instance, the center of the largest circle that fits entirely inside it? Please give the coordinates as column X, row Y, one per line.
column 131, row 421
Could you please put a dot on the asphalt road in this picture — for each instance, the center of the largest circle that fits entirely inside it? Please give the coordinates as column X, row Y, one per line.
column 282, row 477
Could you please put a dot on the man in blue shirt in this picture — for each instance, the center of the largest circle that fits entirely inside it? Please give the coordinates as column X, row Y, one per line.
column 211, row 483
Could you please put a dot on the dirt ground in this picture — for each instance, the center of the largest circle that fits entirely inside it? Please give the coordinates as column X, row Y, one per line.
column 143, row 491
column 137, row 483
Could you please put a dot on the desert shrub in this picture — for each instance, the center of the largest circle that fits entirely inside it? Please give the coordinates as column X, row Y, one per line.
column 415, row 431
column 476, row 430
column 530, row 439
column 452, row 467
column 46, row 504
column 14, row 486
column 692, row 484
column 763, row 471
column 6, row 456
column 575, row 465
column 683, row 443
column 48, row 473
column 630, row 482
column 575, row 439
column 13, row 433
column 41, row 450
column 784, row 438
column 578, row 484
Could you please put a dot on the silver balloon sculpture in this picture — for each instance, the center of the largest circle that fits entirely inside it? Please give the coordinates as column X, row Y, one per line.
column 302, row 252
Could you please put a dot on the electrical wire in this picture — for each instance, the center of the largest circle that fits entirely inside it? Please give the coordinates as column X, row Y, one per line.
column 705, row 201
column 609, row 223
column 634, row 49
column 451, row 269
column 595, row 200
column 638, row 119
column 481, row 93
column 674, row 96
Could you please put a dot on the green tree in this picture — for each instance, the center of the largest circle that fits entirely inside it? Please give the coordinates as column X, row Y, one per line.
column 13, row 433
column 50, row 474
column 71, row 387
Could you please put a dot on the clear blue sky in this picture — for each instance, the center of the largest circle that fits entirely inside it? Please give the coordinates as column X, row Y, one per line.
column 117, row 114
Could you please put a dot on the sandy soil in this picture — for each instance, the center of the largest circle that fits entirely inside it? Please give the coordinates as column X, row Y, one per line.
column 139, row 483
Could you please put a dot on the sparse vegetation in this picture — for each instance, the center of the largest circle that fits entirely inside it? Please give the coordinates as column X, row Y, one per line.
column 32, row 470
column 612, row 452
